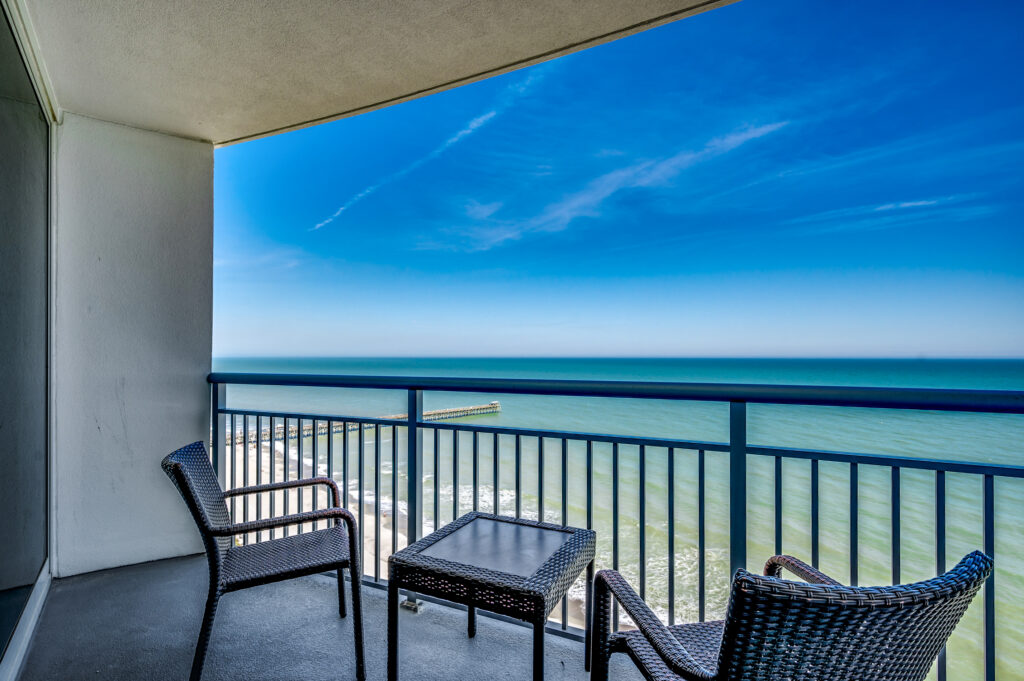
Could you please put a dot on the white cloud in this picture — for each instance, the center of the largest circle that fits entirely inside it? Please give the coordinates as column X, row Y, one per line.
column 870, row 209
column 665, row 170
column 894, row 214
column 511, row 94
column 482, row 211
column 587, row 202
column 470, row 128
column 906, row 204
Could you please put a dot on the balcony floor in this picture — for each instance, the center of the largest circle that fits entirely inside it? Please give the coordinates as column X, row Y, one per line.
column 141, row 622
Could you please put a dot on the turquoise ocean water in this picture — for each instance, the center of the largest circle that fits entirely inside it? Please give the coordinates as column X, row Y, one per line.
column 972, row 437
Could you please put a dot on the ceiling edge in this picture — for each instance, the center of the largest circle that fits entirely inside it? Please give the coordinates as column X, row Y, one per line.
column 25, row 35
column 522, row 63
column 141, row 128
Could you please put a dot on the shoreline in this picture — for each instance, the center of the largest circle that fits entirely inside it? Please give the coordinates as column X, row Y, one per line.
column 389, row 520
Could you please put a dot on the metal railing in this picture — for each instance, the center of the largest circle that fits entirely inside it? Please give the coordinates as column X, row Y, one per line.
column 335, row 442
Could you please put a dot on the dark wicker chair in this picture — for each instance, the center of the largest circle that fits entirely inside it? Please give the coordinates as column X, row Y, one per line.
column 777, row 629
column 238, row 567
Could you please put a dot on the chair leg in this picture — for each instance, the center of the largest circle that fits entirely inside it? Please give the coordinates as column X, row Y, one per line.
column 599, row 667
column 357, row 623
column 341, row 593
column 204, row 636
column 471, row 622
column 600, row 624
column 587, row 617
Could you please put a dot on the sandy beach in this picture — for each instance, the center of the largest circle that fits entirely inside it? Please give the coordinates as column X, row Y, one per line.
column 392, row 521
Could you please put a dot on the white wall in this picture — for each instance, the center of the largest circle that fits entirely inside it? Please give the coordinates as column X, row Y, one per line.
column 133, row 280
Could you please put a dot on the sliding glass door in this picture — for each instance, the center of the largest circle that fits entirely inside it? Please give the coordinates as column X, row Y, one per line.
column 23, row 335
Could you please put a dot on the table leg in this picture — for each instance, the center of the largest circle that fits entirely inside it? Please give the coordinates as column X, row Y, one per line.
column 588, row 617
column 538, row 650
column 471, row 624
column 393, row 631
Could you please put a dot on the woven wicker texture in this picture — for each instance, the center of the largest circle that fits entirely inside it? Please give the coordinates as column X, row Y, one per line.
column 238, row 567
column 527, row 598
column 780, row 629
column 701, row 640
column 294, row 556
column 190, row 470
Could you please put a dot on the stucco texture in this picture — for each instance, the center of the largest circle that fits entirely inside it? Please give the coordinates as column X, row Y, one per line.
column 224, row 70
column 132, row 338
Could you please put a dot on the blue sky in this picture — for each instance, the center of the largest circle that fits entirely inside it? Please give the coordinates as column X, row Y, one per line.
column 767, row 179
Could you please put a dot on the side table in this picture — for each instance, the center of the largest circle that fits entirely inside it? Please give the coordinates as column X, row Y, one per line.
column 515, row 567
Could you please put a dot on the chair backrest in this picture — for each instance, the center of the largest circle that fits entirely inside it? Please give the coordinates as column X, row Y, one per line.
column 778, row 629
column 190, row 470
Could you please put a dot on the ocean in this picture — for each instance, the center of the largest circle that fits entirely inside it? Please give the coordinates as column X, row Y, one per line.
column 991, row 438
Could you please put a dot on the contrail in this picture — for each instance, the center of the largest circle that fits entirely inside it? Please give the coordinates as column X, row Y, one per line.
column 511, row 94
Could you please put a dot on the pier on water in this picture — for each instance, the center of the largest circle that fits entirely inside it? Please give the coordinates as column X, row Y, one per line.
column 338, row 426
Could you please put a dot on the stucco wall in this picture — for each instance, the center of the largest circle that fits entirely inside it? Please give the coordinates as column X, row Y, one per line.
column 132, row 332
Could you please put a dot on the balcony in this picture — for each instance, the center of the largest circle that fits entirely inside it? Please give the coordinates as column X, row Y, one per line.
column 676, row 545
column 107, row 336
column 676, row 516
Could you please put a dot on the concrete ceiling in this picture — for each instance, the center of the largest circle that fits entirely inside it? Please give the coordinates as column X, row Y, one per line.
column 229, row 70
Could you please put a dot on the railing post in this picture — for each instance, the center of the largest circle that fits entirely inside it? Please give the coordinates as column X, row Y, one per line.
column 414, row 470
column 218, row 401
column 737, row 486
column 990, row 583
column 414, row 439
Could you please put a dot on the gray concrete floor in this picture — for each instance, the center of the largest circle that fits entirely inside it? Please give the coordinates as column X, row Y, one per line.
column 141, row 622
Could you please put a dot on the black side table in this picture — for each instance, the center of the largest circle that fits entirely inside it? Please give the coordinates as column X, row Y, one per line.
column 519, row 568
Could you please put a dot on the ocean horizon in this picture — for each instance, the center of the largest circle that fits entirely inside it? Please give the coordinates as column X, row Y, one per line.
column 978, row 437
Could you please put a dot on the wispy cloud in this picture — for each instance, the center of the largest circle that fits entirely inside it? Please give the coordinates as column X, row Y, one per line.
column 587, row 202
column 953, row 208
column 872, row 209
column 482, row 211
column 939, row 152
column 907, row 204
column 468, row 130
column 507, row 99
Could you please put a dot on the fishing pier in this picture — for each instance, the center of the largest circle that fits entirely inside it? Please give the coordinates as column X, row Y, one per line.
column 335, row 427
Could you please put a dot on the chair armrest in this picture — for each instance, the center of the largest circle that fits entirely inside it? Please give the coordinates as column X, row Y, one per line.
column 609, row 583
column 304, row 482
column 281, row 521
column 773, row 568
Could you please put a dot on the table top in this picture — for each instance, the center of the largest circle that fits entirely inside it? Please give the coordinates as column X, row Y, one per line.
column 515, row 551
column 510, row 547
column 512, row 566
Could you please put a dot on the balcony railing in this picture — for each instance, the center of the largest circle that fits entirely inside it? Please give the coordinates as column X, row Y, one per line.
column 389, row 464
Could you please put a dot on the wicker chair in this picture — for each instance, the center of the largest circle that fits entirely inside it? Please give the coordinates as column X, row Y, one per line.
column 778, row 629
column 238, row 567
